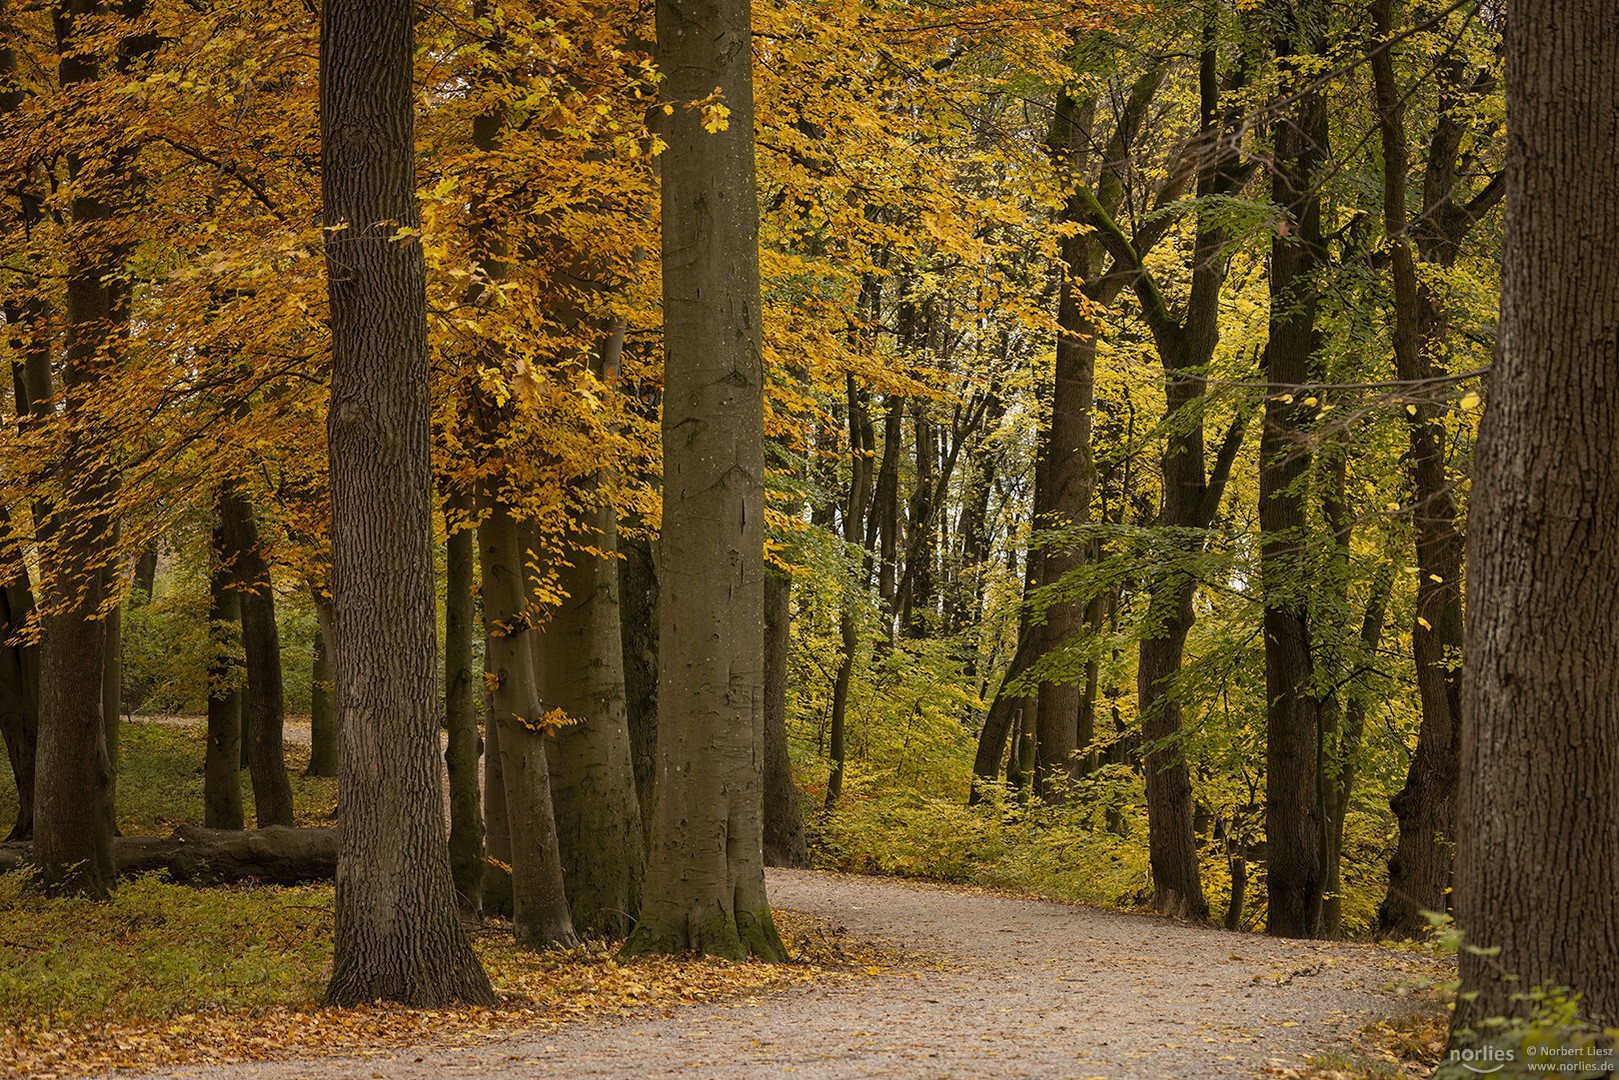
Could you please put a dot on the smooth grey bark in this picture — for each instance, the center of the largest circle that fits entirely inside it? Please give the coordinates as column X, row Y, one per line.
column 263, row 707
column 497, row 833
column 461, row 688
column 516, row 726
column 221, row 764
column 396, row 935
column 705, row 886
column 1537, row 860
column 581, row 670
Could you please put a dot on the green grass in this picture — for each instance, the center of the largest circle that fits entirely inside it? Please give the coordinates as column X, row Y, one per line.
column 157, row 948
column 160, row 782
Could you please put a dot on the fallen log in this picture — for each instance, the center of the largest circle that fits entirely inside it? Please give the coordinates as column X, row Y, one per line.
column 275, row 855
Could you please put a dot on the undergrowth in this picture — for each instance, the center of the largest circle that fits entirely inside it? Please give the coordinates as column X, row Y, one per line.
column 156, row 947
column 160, row 781
column 1092, row 850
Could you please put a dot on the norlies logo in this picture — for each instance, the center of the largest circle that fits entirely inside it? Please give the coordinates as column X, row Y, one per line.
column 1482, row 1059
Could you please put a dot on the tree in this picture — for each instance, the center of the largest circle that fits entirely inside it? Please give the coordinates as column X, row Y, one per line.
column 1293, row 872
column 1537, row 861
column 261, row 645
column 705, row 876
column 396, row 934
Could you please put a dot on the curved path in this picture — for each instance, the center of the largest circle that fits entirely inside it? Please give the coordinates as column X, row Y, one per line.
column 994, row 987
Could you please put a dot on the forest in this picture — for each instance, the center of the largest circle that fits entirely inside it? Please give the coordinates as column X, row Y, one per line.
column 1033, row 445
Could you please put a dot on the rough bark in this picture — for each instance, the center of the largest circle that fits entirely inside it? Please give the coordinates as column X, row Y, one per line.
column 396, row 934
column 461, row 687
column 277, row 855
column 1293, row 872
column 540, row 916
column 221, row 765
column 263, row 705
column 705, row 879
column 1537, row 861
column 73, row 776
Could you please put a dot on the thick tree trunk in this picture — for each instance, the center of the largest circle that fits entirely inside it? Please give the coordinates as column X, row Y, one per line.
column 261, row 644
column 517, row 725
column 461, row 687
column 1537, row 860
column 73, row 776
column 396, row 932
column 705, row 880
column 1293, row 872
column 581, row 671
column 784, row 840
column 278, row 855
column 221, row 765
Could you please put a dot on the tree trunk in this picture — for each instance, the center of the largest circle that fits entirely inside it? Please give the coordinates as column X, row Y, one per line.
column 1070, row 480
column 322, row 711
column 278, row 855
column 581, row 671
column 461, row 686
column 784, row 840
column 146, row 571
column 396, row 933
column 19, row 680
column 1293, row 872
column 854, row 515
column 705, row 880
column 885, row 507
column 73, row 776
column 517, row 724
column 1420, row 871
column 261, row 644
column 221, row 765
column 638, row 639
column 497, row 831
column 1537, row 860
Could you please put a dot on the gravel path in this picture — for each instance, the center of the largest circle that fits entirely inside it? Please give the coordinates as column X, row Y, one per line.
column 995, row 987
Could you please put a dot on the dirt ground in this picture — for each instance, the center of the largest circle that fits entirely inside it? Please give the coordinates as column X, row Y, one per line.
column 990, row 987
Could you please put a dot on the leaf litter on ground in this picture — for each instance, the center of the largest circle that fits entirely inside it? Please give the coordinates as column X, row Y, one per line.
column 131, row 1025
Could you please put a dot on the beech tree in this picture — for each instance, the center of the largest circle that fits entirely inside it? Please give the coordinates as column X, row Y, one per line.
column 397, row 935
column 1537, row 860
column 705, row 887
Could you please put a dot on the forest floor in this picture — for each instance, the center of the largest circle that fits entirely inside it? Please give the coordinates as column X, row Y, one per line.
column 982, row 985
